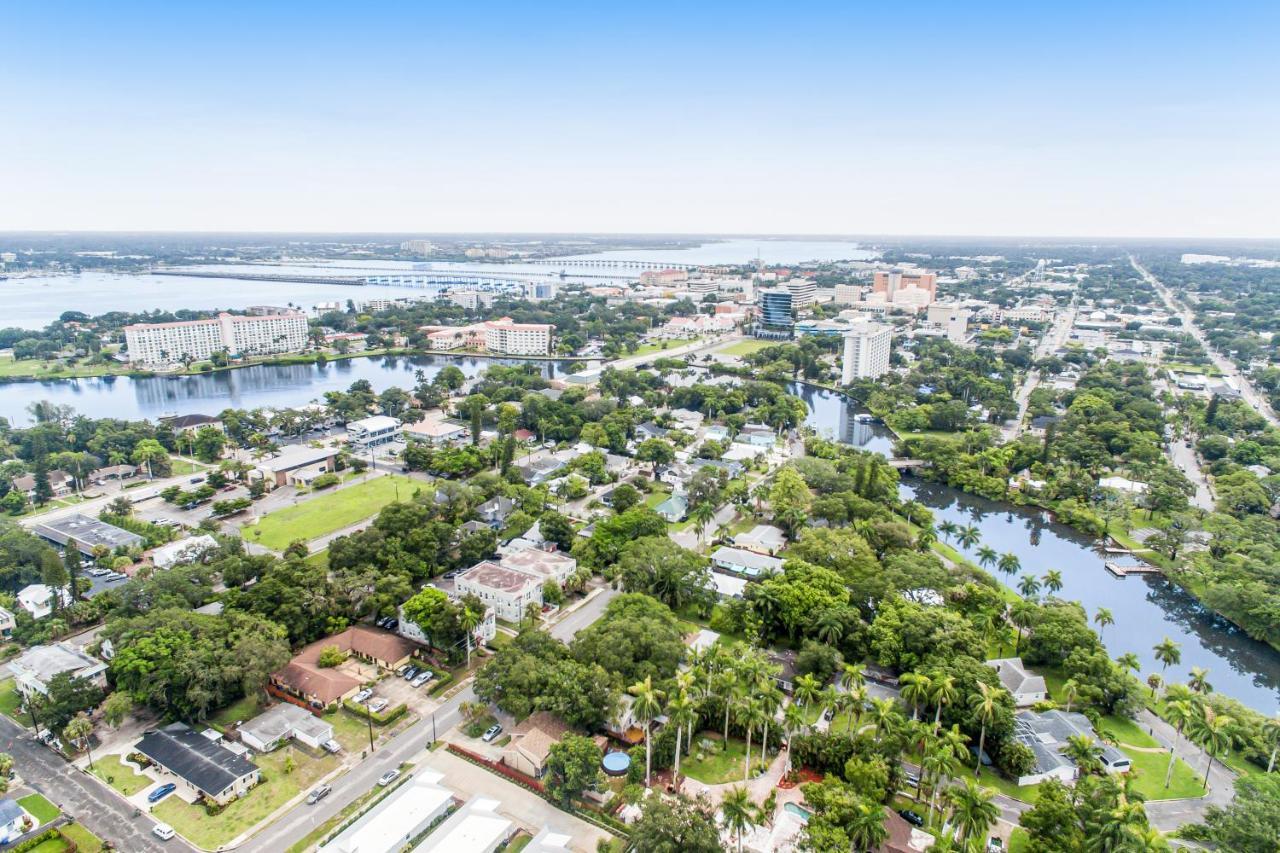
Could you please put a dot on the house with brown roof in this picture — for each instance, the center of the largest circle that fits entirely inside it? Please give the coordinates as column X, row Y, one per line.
column 321, row 686
column 531, row 743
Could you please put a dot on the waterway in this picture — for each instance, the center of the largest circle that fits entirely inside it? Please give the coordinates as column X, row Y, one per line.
column 1146, row 608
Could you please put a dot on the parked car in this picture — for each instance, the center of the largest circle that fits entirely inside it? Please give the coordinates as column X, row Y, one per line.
column 318, row 794
column 332, row 746
column 362, row 696
column 387, row 778
column 422, row 678
column 97, row 573
column 163, row 831
column 160, row 793
column 450, row 575
column 491, row 733
column 377, row 705
column 911, row 817
column 411, row 673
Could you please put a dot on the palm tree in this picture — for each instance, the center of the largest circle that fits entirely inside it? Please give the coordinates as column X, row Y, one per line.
column 1053, row 581
column 1070, row 690
column 866, row 828
column 1103, row 618
column 1270, row 732
column 829, row 628
column 792, row 720
column 941, row 692
column 702, row 514
column 725, row 684
column 973, row 812
column 739, row 812
column 1199, row 681
column 916, row 687
column 807, row 690
column 78, row 731
column 1169, row 654
column 1129, row 661
column 1084, row 752
column 883, row 713
column 948, row 529
column 987, row 556
column 750, row 714
column 469, row 620
column 1029, row 586
column 1009, row 563
column 1180, row 712
column 968, row 536
column 680, row 710
column 770, row 697
column 1215, row 732
column 983, row 704
column 645, row 708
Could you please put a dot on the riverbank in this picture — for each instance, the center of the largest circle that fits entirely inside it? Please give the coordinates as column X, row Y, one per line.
column 36, row 370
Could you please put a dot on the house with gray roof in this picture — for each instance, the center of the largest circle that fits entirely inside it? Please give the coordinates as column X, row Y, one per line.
column 744, row 563
column 270, row 729
column 1025, row 686
column 35, row 668
column 1047, row 735
column 85, row 534
column 201, row 766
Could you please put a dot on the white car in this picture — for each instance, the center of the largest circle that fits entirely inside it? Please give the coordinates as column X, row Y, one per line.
column 387, row 778
column 362, row 696
column 163, row 831
column 377, row 705
column 422, row 679
column 331, row 746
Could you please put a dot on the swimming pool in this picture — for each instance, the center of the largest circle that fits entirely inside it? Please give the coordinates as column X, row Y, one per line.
column 799, row 811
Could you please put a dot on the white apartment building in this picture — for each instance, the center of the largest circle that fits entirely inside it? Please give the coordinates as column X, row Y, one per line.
column 866, row 352
column 518, row 338
column 803, row 291
column 847, row 294
column 507, row 591
column 168, row 343
column 953, row 319
column 371, row 432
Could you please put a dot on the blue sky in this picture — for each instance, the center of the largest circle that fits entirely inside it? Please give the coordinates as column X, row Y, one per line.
column 996, row 118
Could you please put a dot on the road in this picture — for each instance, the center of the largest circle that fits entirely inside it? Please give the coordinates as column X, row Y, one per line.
column 568, row 627
column 1250, row 394
column 1167, row 815
column 1055, row 338
column 407, row 746
column 80, row 795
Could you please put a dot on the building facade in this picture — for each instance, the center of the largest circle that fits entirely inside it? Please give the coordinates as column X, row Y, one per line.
column 866, row 352
column 777, row 313
column 167, row 343
column 518, row 338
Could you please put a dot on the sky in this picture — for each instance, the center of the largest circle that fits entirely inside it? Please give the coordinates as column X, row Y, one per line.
column 1065, row 119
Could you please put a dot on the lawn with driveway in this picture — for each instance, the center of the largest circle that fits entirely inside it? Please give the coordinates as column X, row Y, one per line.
column 280, row 784
column 117, row 774
column 326, row 513
column 39, row 808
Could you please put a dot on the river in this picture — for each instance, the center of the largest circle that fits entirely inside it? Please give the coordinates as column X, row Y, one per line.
column 1146, row 608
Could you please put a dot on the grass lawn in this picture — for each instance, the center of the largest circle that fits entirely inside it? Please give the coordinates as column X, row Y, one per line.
column 237, row 712
column 1151, row 767
column 1018, row 840
column 40, row 808
column 660, row 493
column 1127, row 732
column 85, row 841
column 742, row 348
column 117, row 774
column 243, row 814
column 518, row 843
column 180, row 466
column 991, row 779
column 38, row 369
column 319, row 558
column 717, row 766
column 350, row 731
column 327, row 513
column 659, row 346
column 11, row 702
column 52, row 845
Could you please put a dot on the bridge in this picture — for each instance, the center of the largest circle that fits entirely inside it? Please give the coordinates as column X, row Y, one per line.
column 908, row 464
column 273, row 277
column 610, row 264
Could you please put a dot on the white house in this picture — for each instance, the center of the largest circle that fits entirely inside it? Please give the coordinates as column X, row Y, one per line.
column 37, row 599
column 371, row 432
column 186, row 550
column 13, row 820
column 283, row 722
column 763, row 539
column 742, row 562
column 397, row 819
column 435, row 433
column 507, row 591
column 1026, row 687
column 35, row 668
column 544, row 565
column 476, row 828
column 1123, row 484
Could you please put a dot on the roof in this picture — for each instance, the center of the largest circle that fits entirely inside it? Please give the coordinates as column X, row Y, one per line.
column 746, row 559
column 328, row 684
column 280, row 721
column 728, row 586
column 675, row 505
column 1046, row 733
column 434, row 428
column 762, row 535
column 296, row 456
column 393, row 819
column 44, row 662
column 1015, row 677
column 189, row 421
column 207, row 766
column 87, row 532
column 374, row 424
column 27, row 482
column 537, row 733
column 493, row 576
column 10, row 811
column 500, row 506
column 535, row 561
column 184, row 550
column 476, row 826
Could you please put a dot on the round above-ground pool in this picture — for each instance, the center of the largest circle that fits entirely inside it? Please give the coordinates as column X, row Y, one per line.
column 616, row 763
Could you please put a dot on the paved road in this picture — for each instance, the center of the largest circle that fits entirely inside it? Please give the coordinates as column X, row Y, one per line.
column 1247, row 390
column 1052, row 340
column 590, row 611
column 80, row 795
column 1167, row 815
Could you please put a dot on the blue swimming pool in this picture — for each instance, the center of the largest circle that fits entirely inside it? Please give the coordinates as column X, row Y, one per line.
column 799, row 811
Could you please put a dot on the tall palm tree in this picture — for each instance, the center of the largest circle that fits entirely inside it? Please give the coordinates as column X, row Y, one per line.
column 1198, row 681
column 883, row 713
column 983, row 704
column 1084, row 752
column 750, row 714
column 1070, row 690
column 680, row 711
column 939, row 765
column 1029, row 586
column 469, row 620
column 807, row 690
column 973, row 812
column 1009, row 563
column 948, row 529
column 851, row 676
column 1169, row 654
column 1102, row 618
column 941, row 692
column 78, row 731
column 792, row 720
column 829, row 628
column 1053, row 581
column 1215, row 732
column 739, row 812
column 916, row 687
column 866, row 828
column 702, row 514
column 1179, row 712
column 770, row 697
column 725, row 685
column 1129, row 662
column 647, row 706
column 987, row 556
column 968, row 536
column 1271, row 732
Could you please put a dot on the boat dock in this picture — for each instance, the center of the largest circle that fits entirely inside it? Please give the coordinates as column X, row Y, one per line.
column 1126, row 569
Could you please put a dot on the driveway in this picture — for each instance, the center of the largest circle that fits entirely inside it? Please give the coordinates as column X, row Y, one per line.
column 586, row 613
column 80, row 795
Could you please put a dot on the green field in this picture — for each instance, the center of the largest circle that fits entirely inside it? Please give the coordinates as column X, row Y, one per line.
column 11, row 702
column 717, row 766
column 34, row 368
column 117, row 774
column 329, row 512
column 742, row 348
column 39, row 808
column 85, row 841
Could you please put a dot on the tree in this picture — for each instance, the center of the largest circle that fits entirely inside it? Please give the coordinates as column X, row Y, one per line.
column 942, row 691
column 916, row 689
column 647, row 706
column 1053, row 581
column 968, row 536
column 117, row 707
column 1250, row 823
column 1213, row 731
column 983, row 704
column 624, row 498
column 71, row 561
column 331, row 656
column 682, row 711
column 670, row 573
column 789, row 499
column 987, row 556
column 656, row 452
column 65, row 698
column 1169, row 654
column 556, row 528
column 208, row 443
column 972, row 811
column 78, row 731
column 1009, row 563
column 675, row 825
column 1198, row 681
column 702, row 515
column 1028, row 586
column 739, row 812
column 1070, row 689
column 1102, row 618
column 572, row 768
column 148, row 452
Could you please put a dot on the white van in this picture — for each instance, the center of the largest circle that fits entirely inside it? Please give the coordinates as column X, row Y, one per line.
column 163, row 831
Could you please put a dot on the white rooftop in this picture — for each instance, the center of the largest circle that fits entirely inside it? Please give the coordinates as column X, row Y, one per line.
column 389, row 825
column 476, row 826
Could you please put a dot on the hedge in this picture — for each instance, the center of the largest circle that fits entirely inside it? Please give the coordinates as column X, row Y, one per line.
column 388, row 716
column 443, row 680
column 69, row 846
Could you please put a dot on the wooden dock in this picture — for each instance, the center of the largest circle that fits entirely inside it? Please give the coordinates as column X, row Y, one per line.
column 1127, row 569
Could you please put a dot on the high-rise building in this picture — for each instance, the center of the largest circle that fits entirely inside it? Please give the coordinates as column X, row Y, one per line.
column 197, row 340
column 866, row 352
column 777, row 313
column 417, row 247
column 891, row 281
column 518, row 338
column 803, row 291
column 847, row 294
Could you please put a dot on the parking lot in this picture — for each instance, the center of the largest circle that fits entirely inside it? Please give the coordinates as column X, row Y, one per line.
column 396, row 690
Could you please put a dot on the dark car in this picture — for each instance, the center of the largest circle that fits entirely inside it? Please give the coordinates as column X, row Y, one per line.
column 160, row 793
column 411, row 673
column 911, row 817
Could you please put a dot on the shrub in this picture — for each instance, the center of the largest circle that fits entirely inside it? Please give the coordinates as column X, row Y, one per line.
column 331, row 656
column 324, row 481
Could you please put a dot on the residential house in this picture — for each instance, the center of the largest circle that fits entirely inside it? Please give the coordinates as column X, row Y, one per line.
column 1024, row 686
column 202, row 767
column 542, row 564
column 304, row 678
column 372, row 432
column 531, row 743
column 297, row 465
column 192, row 423
column 674, row 508
column 435, row 433
column 270, row 729
column 732, row 470
column 7, row 622
column 1047, row 735
column 1040, row 424
column 113, row 472
column 506, row 590
column 785, row 678
column 483, row 633
column 61, row 484
column 495, row 511
column 763, row 539
column 726, row 586
column 35, row 668
column 13, row 821
column 748, row 564
column 1123, row 484
column 541, row 470
column 716, row 432
column 757, row 435
column 618, row 465
column 550, row 841
column 649, row 429
column 38, row 599
column 687, row 418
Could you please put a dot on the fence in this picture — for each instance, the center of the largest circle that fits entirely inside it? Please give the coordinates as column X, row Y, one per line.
column 293, row 700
